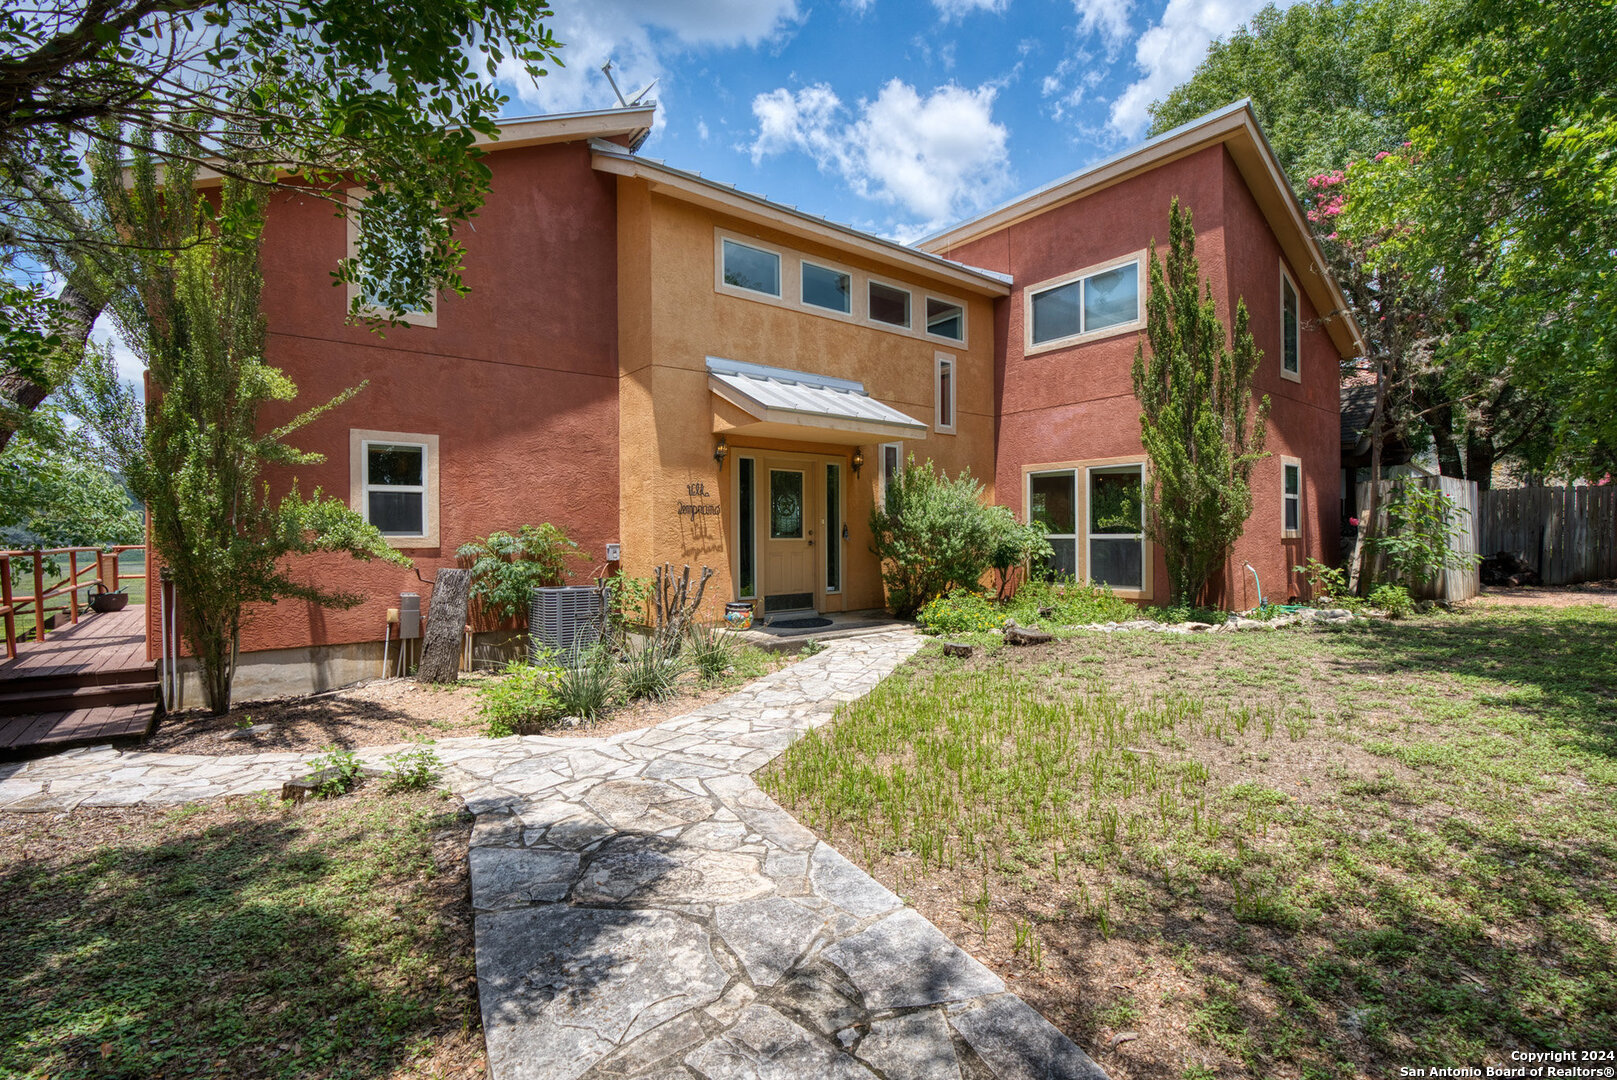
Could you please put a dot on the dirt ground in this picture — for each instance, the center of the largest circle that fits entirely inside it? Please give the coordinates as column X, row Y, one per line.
column 1600, row 593
column 386, row 711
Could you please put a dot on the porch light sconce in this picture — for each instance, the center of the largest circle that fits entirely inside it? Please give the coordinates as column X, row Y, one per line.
column 720, row 450
column 858, row 460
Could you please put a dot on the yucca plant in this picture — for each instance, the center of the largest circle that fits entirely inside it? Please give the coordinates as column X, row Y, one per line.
column 649, row 672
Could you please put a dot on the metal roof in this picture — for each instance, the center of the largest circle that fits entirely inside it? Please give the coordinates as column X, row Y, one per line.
column 780, row 395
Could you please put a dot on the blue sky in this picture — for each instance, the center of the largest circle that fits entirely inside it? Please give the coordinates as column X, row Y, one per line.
column 897, row 116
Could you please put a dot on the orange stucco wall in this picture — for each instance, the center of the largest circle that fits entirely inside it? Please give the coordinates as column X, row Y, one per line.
column 1077, row 404
column 672, row 317
column 518, row 380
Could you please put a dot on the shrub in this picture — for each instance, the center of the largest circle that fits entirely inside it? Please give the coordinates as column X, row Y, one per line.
column 712, row 652
column 960, row 612
column 1013, row 543
column 1422, row 527
column 650, row 671
column 630, row 595
column 414, row 769
column 1071, row 603
column 585, row 688
column 506, row 568
column 344, row 766
column 524, row 694
column 932, row 534
column 1393, row 599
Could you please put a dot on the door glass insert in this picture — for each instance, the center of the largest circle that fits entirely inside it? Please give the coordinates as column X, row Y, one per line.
column 833, row 528
column 785, row 505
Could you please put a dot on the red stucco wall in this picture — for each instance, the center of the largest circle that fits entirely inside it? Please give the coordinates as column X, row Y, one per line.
column 1077, row 403
column 518, row 380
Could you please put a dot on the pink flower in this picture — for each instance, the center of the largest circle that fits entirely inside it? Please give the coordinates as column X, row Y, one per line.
column 1353, row 522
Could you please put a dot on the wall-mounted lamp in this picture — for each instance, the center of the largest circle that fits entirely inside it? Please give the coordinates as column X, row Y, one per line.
column 720, row 450
column 858, row 460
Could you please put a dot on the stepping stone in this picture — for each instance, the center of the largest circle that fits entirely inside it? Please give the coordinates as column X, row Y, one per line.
column 904, row 961
column 764, row 1045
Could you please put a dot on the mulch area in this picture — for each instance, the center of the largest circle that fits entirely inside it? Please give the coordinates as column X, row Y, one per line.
column 383, row 712
column 1599, row 593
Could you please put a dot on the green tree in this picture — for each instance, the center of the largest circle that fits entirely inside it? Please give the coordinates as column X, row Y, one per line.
column 1196, row 416
column 387, row 96
column 189, row 308
column 1507, row 193
column 54, row 492
column 932, row 534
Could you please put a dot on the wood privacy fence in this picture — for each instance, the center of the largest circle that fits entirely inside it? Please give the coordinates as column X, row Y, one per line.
column 1566, row 534
column 1450, row 585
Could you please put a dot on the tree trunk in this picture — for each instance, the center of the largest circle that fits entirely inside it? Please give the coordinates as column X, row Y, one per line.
column 446, row 627
column 1479, row 459
column 79, row 313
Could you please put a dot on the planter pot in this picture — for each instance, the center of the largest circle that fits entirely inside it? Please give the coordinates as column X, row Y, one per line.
column 738, row 615
column 108, row 602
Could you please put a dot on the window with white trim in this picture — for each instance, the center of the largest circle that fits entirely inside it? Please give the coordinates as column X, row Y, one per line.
column 1116, row 524
column 393, row 484
column 751, row 268
column 1291, row 329
column 889, row 304
column 892, row 463
column 1291, row 497
column 1093, row 302
column 945, row 319
column 944, row 394
column 826, row 288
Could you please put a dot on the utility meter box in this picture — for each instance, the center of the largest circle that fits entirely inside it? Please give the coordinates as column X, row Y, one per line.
column 409, row 615
column 614, row 553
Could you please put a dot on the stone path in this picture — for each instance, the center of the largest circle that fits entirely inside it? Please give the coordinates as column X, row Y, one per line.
column 646, row 912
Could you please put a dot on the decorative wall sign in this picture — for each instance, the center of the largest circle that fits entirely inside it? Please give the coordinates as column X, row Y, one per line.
column 694, row 510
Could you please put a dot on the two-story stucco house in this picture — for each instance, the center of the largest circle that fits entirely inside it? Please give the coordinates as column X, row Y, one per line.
column 692, row 374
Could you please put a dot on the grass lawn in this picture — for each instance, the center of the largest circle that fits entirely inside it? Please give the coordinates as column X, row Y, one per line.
column 239, row 939
column 1303, row 853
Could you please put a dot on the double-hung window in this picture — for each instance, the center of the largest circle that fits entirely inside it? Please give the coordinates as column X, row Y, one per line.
column 1102, row 300
column 1053, row 506
column 1093, row 517
column 393, row 484
column 1291, row 497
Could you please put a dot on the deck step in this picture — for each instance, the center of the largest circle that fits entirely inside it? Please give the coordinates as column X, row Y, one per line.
column 44, row 733
column 23, row 701
column 144, row 673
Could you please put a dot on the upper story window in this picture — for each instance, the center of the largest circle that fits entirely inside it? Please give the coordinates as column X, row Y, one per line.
column 1095, row 302
column 1291, row 329
column 380, row 283
column 889, row 305
column 945, row 394
column 747, row 267
column 393, row 485
column 945, row 320
column 827, row 288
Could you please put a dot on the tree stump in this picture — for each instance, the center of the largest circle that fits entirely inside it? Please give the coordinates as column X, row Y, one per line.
column 958, row 648
column 446, row 623
column 1023, row 635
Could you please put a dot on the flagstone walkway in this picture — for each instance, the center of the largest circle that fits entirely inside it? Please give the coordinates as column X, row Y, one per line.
column 646, row 912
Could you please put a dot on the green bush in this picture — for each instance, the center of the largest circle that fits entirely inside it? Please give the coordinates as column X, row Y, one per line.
column 1423, row 526
column 414, row 769
column 587, row 687
column 1013, row 543
column 960, row 612
column 524, row 695
column 933, row 534
column 712, row 652
column 346, row 771
column 1393, row 599
column 506, row 568
column 1071, row 603
column 650, row 671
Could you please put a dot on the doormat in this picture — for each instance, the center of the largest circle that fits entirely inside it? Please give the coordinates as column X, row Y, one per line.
column 798, row 624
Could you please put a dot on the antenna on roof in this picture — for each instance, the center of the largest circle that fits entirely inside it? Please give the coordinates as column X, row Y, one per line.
column 634, row 99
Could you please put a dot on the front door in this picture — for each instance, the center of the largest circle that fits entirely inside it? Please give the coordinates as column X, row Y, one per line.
column 787, row 516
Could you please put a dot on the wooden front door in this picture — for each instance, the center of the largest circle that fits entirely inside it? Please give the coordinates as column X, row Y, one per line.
column 788, row 515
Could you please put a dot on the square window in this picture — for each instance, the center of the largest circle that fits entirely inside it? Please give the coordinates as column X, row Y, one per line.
column 751, row 268
column 825, row 288
column 945, row 320
column 1112, row 298
column 889, row 305
column 393, row 241
column 1056, row 313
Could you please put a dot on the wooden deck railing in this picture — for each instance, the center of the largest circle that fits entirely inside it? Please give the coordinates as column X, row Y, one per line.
column 102, row 570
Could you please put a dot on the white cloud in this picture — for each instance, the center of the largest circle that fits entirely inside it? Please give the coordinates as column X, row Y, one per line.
column 636, row 35
column 859, row 7
column 1170, row 50
column 1106, row 19
column 952, row 10
column 934, row 157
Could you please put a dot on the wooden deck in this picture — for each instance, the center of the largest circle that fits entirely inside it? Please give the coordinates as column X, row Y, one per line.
column 82, row 684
